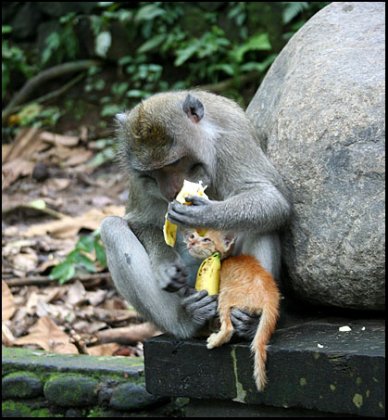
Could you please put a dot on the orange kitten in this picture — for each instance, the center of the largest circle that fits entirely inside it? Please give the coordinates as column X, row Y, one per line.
column 244, row 284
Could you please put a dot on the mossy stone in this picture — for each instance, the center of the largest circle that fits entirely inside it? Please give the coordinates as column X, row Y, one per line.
column 21, row 385
column 71, row 390
column 129, row 396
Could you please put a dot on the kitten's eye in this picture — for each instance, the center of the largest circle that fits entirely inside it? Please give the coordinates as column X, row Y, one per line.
column 206, row 240
column 192, row 236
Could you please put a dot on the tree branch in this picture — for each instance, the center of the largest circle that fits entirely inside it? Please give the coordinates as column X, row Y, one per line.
column 51, row 73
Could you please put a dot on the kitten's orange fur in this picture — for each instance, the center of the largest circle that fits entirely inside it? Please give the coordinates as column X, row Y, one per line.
column 246, row 285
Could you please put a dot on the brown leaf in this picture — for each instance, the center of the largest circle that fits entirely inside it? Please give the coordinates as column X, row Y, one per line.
column 103, row 349
column 128, row 335
column 15, row 169
column 5, row 148
column 25, row 262
column 97, row 297
column 76, row 293
column 25, row 144
column 55, row 184
column 7, row 302
column 47, row 335
column 79, row 156
column 69, row 226
column 7, row 337
column 58, row 139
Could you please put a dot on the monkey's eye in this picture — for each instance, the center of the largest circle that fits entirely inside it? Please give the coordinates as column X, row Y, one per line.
column 195, row 167
column 146, row 176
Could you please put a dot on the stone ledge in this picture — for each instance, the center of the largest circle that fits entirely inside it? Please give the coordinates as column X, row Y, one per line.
column 42, row 384
column 311, row 365
column 41, row 361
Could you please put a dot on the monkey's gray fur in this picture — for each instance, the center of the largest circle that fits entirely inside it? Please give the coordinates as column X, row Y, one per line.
column 196, row 136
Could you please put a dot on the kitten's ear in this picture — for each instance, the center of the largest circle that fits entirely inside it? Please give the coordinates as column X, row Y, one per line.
column 229, row 240
column 188, row 234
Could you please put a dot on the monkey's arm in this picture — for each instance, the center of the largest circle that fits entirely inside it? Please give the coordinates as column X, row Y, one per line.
column 136, row 278
column 264, row 209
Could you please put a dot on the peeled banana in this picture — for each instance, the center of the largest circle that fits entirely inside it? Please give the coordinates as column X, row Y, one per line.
column 208, row 275
column 189, row 188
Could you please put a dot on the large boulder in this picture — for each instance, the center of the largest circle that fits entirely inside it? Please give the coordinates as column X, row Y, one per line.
column 319, row 114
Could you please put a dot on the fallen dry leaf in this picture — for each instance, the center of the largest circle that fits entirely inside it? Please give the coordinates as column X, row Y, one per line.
column 14, row 169
column 8, row 307
column 14, row 247
column 7, row 337
column 59, row 139
column 5, row 148
column 103, row 349
column 55, row 184
column 69, row 226
column 79, row 156
column 36, row 295
column 128, row 335
column 47, row 335
column 26, row 142
column 76, row 293
column 24, row 263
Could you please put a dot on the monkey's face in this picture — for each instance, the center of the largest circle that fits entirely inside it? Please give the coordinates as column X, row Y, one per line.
column 164, row 138
column 168, row 180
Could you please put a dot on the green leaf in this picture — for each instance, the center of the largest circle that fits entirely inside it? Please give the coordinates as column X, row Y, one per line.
column 6, row 29
column 103, row 43
column 136, row 93
column 151, row 43
column 100, row 253
column 184, row 54
column 86, row 262
column 149, row 12
column 256, row 42
column 63, row 272
column 38, row 204
column 110, row 109
column 86, row 243
column 292, row 9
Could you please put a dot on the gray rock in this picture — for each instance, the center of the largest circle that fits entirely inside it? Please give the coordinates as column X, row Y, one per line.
column 128, row 396
column 319, row 114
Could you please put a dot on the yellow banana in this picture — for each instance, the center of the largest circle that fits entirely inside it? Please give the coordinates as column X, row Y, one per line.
column 169, row 232
column 189, row 188
column 208, row 275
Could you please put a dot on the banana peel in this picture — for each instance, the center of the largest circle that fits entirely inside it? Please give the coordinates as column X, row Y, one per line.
column 188, row 189
column 208, row 275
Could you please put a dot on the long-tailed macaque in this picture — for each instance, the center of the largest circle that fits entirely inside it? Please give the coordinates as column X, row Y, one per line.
column 196, row 136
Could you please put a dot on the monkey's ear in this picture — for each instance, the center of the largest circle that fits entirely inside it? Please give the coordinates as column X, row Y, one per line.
column 193, row 108
column 121, row 118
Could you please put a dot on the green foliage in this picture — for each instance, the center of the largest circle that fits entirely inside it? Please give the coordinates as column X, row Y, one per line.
column 79, row 260
column 171, row 45
column 14, row 60
column 35, row 115
column 63, row 45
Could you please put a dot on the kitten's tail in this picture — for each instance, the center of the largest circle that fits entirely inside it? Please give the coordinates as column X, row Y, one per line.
column 264, row 331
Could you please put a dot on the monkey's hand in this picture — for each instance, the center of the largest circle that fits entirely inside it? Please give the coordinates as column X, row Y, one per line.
column 194, row 215
column 199, row 305
column 172, row 276
column 244, row 323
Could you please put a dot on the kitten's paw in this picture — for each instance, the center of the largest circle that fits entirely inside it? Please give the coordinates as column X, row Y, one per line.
column 213, row 341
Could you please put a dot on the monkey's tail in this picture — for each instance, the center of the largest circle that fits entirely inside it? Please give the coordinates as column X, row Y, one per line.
column 264, row 331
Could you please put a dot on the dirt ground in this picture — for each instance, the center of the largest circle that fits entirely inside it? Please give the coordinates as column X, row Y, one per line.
column 57, row 187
